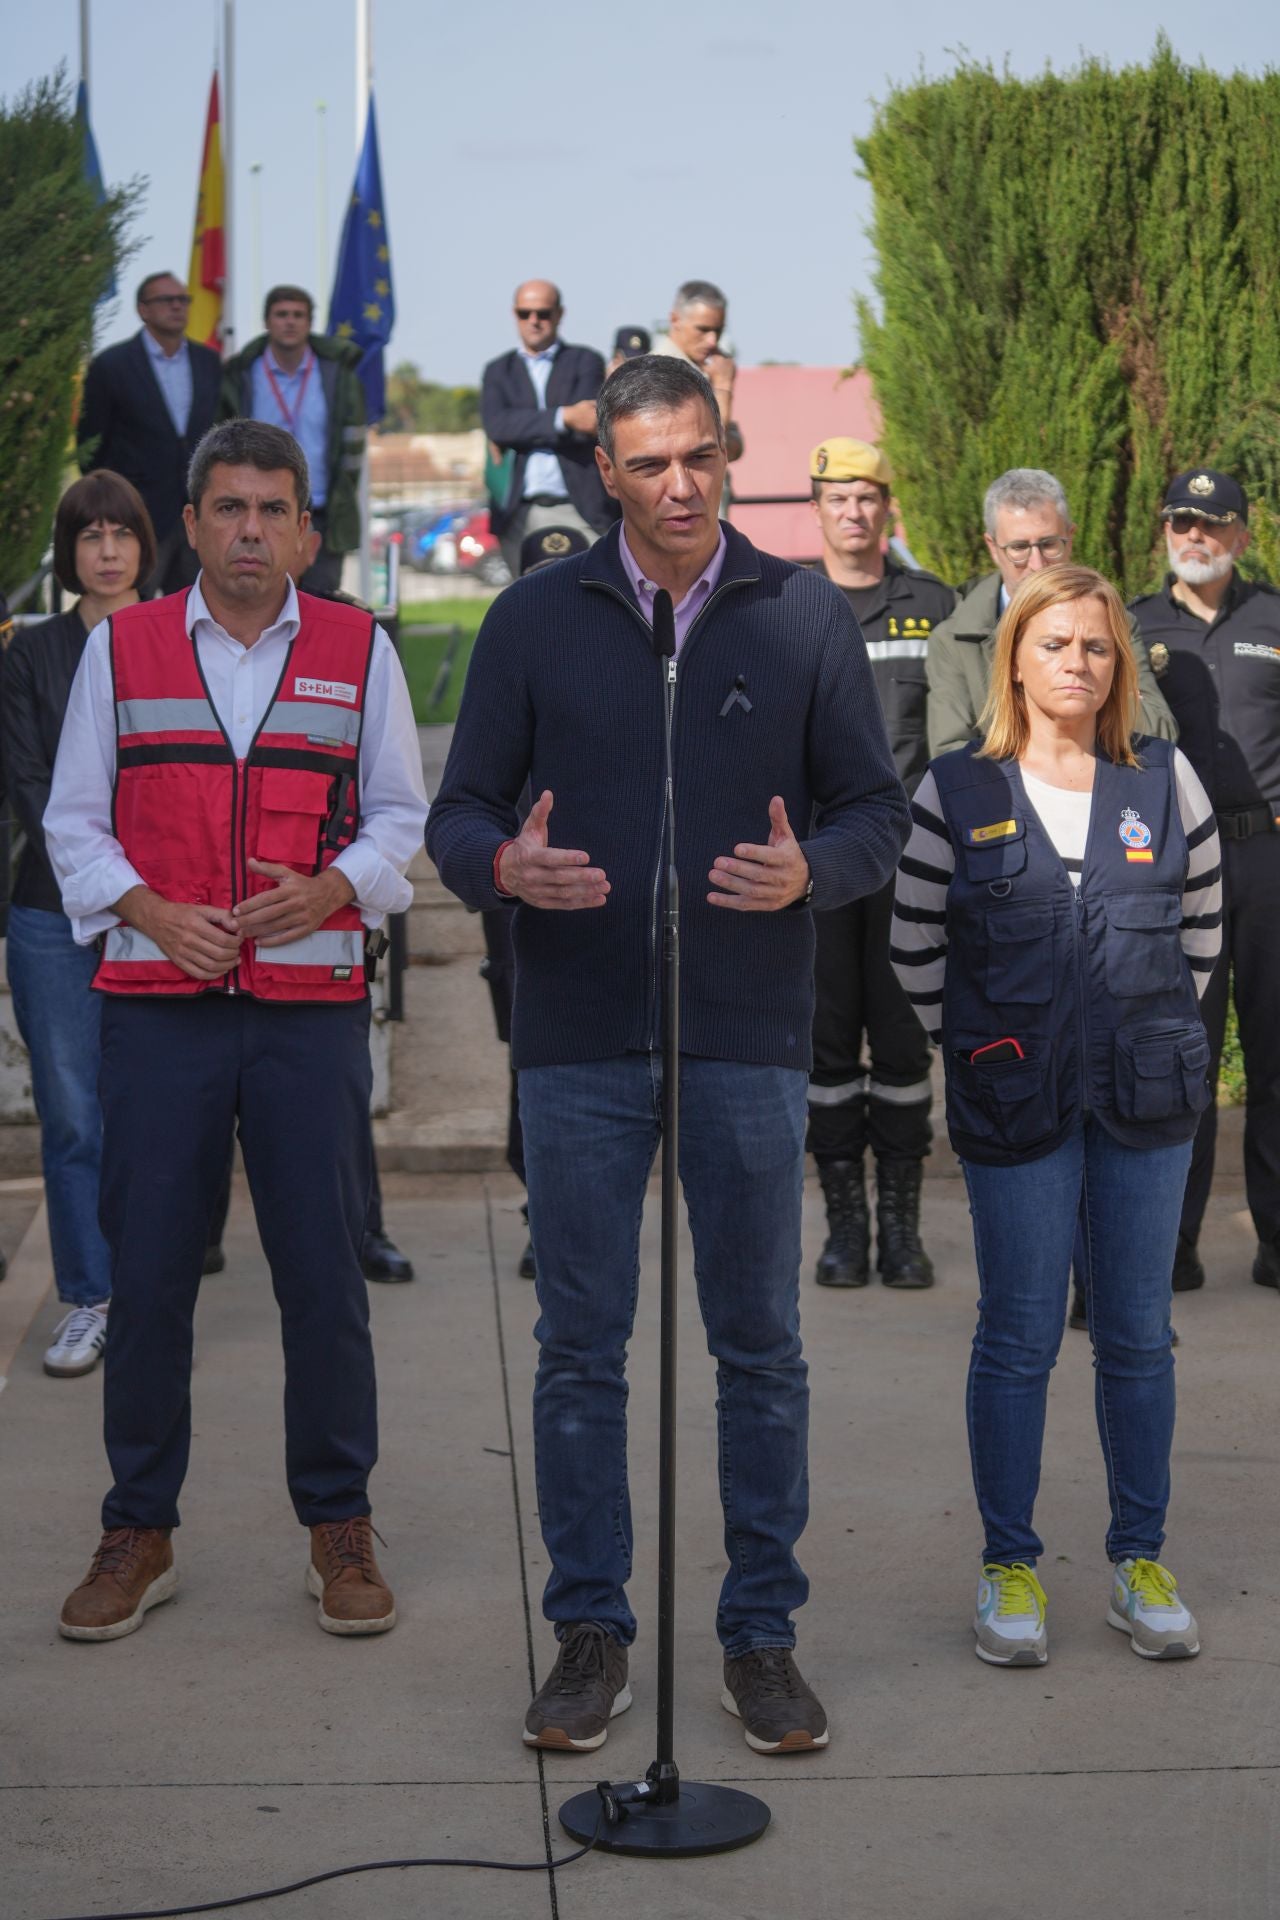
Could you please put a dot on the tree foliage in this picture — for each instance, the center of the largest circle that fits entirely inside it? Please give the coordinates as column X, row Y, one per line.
column 60, row 247
column 1077, row 272
column 415, row 405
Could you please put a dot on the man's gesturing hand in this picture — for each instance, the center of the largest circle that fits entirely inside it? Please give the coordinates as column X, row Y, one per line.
column 545, row 876
column 762, row 879
column 296, row 906
column 203, row 941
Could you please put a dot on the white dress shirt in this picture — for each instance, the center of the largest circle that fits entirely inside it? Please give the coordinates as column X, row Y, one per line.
column 89, row 861
column 173, row 377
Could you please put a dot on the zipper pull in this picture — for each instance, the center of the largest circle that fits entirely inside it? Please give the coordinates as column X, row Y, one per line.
column 671, row 671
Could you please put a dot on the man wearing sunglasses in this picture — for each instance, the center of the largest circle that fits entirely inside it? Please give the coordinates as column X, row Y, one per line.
column 1027, row 526
column 538, row 404
column 147, row 403
column 1214, row 641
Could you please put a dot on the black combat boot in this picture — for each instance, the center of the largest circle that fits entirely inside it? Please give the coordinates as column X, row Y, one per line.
column 845, row 1260
column 901, row 1261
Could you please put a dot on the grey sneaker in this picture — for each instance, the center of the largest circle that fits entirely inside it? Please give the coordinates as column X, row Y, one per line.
column 586, row 1687
column 778, row 1711
column 1146, row 1604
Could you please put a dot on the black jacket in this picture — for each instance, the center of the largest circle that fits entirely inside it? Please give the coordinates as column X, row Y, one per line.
column 896, row 624
column 563, row 688
column 1222, row 682
column 125, row 425
column 38, row 670
column 512, row 418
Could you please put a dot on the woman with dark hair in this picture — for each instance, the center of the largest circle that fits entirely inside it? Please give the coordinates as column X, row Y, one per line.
column 1058, row 913
column 103, row 546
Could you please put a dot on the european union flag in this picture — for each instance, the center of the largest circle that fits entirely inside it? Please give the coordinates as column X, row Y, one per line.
column 363, row 307
column 91, row 167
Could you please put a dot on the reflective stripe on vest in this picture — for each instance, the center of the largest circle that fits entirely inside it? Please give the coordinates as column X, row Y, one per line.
column 127, row 944
column 335, row 947
column 166, row 716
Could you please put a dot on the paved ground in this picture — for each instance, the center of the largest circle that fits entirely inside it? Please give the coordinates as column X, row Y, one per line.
column 230, row 1744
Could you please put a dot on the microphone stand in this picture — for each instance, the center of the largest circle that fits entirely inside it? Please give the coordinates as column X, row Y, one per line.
column 662, row 1814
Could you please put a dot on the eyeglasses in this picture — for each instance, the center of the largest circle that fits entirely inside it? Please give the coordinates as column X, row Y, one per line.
column 1182, row 524
column 1020, row 551
column 534, row 313
column 167, row 300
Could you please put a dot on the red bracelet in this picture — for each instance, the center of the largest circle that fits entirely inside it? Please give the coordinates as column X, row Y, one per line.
column 497, row 860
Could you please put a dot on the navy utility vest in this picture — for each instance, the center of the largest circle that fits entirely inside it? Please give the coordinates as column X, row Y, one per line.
column 1092, row 982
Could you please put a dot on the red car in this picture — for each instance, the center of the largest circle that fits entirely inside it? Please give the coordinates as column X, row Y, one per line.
column 479, row 552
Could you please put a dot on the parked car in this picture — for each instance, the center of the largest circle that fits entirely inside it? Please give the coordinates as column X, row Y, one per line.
column 479, row 552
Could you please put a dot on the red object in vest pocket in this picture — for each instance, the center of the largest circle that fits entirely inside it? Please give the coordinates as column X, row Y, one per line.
column 294, row 805
column 1006, row 1049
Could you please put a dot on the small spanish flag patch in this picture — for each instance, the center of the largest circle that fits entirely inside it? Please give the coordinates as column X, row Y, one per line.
column 998, row 830
column 1142, row 854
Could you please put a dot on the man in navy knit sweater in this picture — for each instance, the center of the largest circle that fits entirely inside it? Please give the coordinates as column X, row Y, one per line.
column 786, row 798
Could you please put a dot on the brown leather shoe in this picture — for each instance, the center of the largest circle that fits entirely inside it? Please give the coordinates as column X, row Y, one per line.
column 132, row 1570
column 344, row 1577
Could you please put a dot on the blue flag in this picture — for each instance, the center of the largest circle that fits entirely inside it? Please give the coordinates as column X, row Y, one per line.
column 363, row 307
column 91, row 166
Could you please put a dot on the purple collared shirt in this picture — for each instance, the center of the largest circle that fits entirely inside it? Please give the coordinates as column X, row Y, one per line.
column 694, row 601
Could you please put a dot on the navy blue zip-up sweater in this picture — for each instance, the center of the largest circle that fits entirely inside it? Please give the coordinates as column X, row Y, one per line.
column 564, row 690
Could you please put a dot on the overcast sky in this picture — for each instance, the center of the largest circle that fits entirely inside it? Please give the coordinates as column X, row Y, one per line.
column 617, row 150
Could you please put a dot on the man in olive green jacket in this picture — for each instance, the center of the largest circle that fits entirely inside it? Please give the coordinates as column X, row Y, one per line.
column 1028, row 527
column 307, row 383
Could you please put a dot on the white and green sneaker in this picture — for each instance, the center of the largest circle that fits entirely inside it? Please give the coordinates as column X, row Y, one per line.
column 1146, row 1606
column 1009, row 1620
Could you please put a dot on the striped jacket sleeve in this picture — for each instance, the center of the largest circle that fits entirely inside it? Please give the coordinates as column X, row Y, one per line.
column 1202, row 895
column 918, row 941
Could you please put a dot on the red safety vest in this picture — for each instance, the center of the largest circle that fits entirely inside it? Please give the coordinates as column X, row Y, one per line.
column 190, row 816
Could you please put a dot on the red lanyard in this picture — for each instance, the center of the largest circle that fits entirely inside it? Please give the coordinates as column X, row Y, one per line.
column 291, row 419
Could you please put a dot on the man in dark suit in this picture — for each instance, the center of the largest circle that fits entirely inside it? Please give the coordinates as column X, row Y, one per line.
column 147, row 402
column 538, row 403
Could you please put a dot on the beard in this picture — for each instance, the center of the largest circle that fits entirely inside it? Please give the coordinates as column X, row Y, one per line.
column 1196, row 572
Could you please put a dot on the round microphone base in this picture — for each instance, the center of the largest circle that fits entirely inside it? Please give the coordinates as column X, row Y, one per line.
column 705, row 1819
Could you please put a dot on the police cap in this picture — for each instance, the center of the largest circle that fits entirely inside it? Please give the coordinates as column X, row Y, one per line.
column 550, row 543
column 1210, row 495
column 630, row 342
column 849, row 460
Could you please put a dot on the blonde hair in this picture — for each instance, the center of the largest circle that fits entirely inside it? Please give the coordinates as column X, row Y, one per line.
column 1003, row 721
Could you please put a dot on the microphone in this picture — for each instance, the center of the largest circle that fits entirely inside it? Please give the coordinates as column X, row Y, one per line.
column 664, row 625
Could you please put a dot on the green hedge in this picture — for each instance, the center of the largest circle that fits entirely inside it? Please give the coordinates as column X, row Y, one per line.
column 1078, row 272
column 60, row 248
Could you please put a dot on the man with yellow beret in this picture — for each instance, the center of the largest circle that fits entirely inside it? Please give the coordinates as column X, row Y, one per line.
column 878, row 1099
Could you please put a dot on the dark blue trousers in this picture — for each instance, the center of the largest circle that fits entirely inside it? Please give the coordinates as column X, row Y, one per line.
column 177, row 1075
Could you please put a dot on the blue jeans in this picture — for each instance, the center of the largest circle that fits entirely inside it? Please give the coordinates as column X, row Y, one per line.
column 59, row 1019
column 1025, row 1221
column 591, row 1133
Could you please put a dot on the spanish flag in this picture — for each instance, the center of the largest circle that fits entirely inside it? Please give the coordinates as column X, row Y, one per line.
column 208, row 271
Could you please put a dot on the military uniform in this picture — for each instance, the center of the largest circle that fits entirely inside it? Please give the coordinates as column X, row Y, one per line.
column 1222, row 682
column 879, row 1099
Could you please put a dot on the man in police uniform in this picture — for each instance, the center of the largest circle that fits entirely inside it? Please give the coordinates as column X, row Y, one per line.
column 1214, row 642
column 886, row 1107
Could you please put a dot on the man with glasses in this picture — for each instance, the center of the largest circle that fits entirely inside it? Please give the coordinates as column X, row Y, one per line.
column 538, row 403
column 1214, row 641
column 1027, row 526
column 147, row 403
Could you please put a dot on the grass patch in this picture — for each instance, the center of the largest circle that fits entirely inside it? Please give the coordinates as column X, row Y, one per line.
column 424, row 654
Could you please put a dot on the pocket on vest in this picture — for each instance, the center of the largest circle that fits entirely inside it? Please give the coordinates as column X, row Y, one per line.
column 1161, row 1072
column 1144, row 951
column 294, row 806
column 1020, row 953
column 1005, row 1102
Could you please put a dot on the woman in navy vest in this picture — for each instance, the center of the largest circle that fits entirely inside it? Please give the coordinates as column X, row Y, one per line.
column 1058, row 914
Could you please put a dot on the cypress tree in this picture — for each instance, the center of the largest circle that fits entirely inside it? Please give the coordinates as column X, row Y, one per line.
column 1077, row 272
column 60, row 247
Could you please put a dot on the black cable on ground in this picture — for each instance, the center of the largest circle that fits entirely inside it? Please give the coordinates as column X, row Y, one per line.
column 342, row 1873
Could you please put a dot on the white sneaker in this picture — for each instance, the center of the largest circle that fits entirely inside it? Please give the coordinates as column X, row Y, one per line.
column 1145, row 1605
column 1009, row 1620
column 78, row 1340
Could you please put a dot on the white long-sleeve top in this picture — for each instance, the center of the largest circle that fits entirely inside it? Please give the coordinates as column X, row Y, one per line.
column 918, row 942
column 89, row 861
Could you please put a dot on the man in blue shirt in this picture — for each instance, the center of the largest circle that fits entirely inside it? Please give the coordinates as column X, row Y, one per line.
column 308, row 384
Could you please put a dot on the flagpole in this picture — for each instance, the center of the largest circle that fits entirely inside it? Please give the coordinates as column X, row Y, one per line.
column 364, row 79
column 84, row 43
column 228, row 174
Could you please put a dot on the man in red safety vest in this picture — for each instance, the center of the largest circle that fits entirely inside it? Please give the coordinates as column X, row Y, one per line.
column 237, row 794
